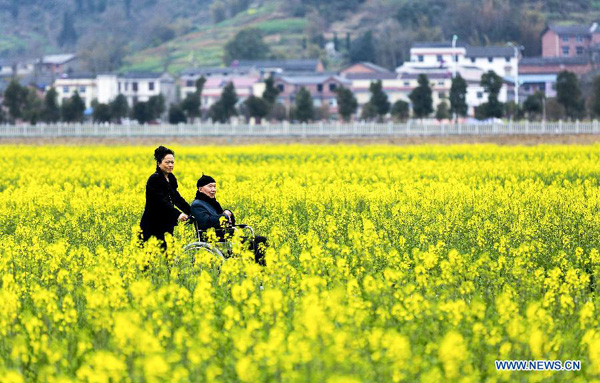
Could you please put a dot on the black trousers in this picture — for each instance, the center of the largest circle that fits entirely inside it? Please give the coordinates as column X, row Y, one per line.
column 259, row 246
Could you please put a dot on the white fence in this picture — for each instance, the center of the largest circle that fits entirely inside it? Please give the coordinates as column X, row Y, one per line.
column 410, row 128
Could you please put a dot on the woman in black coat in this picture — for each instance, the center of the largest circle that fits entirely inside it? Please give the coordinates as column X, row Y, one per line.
column 160, row 215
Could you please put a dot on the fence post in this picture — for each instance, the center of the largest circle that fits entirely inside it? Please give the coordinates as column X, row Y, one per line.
column 408, row 127
column 560, row 127
column 595, row 128
column 577, row 126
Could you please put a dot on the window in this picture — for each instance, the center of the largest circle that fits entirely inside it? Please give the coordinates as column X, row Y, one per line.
column 579, row 39
column 119, row 86
column 455, row 58
column 507, row 59
column 579, row 51
column 281, row 87
column 442, row 94
column 479, row 94
column 332, row 102
column 82, row 89
column 332, row 87
column 565, row 38
column 65, row 89
column 406, row 83
column 542, row 87
column 439, row 58
column 420, row 58
column 134, row 86
column 473, row 60
column 565, row 51
column 490, row 59
column 126, row 86
column 441, row 83
column 151, row 85
column 189, row 83
column 319, row 87
column 526, row 88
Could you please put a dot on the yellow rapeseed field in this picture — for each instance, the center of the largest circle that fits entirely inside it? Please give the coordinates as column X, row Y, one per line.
column 386, row 264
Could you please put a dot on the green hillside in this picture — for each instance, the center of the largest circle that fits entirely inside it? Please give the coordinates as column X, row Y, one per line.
column 113, row 35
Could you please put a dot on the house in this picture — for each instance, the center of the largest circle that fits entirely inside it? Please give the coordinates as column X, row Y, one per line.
column 322, row 89
column 500, row 59
column 436, row 54
column 213, row 88
column 569, row 40
column 271, row 67
column 14, row 67
column 364, row 67
column 188, row 77
column 361, row 83
column 57, row 65
column 84, row 84
column 136, row 87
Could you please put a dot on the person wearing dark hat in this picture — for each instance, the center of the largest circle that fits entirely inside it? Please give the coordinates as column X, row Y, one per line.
column 208, row 213
column 160, row 213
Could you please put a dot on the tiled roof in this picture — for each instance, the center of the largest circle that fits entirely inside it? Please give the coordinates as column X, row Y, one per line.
column 491, row 51
column 436, row 76
column 78, row 76
column 543, row 61
column 58, row 59
column 376, row 68
column 140, row 75
column 311, row 80
column 571, row 30
column 194, row 72
column 438, row 44
column 304, row 65
column 371, row 76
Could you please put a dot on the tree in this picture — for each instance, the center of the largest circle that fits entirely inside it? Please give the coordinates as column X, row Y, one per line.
column 534, row 105
column 458, row 96
column 400, row 110
column 247, row 44
column 200, row 86
column 379, row 100
column 72, row 109
column 421, row 98
column 15, row 98
column 142, row 113
column 190, row 105
column 32, row 110
column 101, row 113
column 224, row 108
column 119, row 108
column 257, row 107
column 156, row 106
column 363, row 48
column 491, row 83
column 271, row 92
column 442, row 112
column 369, row 112
column 304, row 106
column 347, row 103
column 51, row 110
column 595, row 104
column 568, row 94
column 176, row 114
column 67, row 36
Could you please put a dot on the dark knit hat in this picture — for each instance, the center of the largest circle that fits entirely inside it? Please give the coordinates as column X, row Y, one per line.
column 205, row 180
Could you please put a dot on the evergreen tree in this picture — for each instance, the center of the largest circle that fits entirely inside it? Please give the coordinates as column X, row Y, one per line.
column 72, row 109
column 142, row 113
column 595, row 105
column 51, row 110
column 379, row 99
column 271, row 92
column 534, row 105
column 217, row 112
column 336, row 42
column 156, row 106
column 304, row 106
column 442, row 112
column 247, row 44
column 257, row 107
column 101, row 113
column 15, row 99
column 176, row 114
column 458, row 96
column 190, row 105
column 421, row 98
column 363, row 48
column 32, row 111
column 229, row 100
column 369, row 112
column 119, row 108
column 400, row 110
column 491, row 83
column 200, row 87
column 67, row 36
column 346, row 102
column 568, row 94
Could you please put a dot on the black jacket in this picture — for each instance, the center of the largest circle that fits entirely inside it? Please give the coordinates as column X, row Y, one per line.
column 160, row 215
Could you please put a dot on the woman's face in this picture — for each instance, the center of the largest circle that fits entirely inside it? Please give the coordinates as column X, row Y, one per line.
column 209, row 189
column 167, row 164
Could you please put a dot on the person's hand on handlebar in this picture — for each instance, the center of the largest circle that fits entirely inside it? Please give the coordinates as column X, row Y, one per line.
column 182, row 217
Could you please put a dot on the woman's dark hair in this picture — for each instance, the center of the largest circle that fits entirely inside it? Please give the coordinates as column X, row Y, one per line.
column 161, row 152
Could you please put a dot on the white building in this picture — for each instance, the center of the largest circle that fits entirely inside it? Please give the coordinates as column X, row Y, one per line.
column 84, row 84
column 136, row 87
